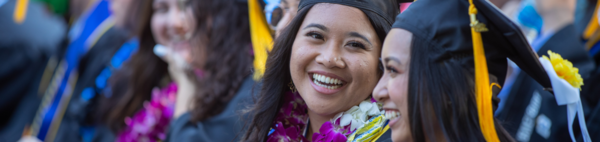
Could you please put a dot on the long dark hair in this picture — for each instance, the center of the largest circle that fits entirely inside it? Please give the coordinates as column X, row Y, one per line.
column 131, row 85
column 441, row 98
column 277, row 74
column 225, row 30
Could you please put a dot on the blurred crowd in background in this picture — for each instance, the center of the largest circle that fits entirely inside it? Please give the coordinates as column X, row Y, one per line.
column 176, row 70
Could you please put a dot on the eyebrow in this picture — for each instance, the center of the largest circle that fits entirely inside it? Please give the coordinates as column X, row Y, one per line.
column 388, row 59
column 355, row 34
column 317, row 26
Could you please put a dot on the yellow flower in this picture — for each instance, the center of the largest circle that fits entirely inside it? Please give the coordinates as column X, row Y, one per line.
column 565, row 70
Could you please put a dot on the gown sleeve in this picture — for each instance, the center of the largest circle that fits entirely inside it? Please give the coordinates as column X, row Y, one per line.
column 225, row 127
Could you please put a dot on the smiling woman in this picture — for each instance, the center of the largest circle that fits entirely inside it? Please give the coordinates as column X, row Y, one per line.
column 436, row 84
column 320, row 75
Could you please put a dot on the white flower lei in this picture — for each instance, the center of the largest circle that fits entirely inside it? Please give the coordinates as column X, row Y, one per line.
column 357, row 116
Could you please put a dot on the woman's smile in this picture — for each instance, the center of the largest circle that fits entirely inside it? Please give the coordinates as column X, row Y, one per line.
column 326, row 83
column 393, row 115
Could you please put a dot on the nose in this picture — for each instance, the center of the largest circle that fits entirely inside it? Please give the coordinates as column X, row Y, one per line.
column 178, row 23
column 380, row 93
column 331, row 56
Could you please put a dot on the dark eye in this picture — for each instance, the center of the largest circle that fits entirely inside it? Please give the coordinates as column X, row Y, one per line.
column 160, row 8
column 391, row 69
column 356, row 44
column 315, row 35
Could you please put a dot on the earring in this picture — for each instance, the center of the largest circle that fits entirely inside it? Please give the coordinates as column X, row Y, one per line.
column 292, row 87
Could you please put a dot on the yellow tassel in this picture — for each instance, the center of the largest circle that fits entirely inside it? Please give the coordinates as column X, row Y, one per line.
column 483, row 91
column 592, row 26
column 262, row 42
column 20, row 11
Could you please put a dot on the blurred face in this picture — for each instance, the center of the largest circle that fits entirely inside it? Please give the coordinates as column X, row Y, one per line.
column 173, row 24
column 334, row 59
column 290, row 9
column 392, row 88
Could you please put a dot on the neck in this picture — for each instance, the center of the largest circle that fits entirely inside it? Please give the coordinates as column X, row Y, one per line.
column 316, row 121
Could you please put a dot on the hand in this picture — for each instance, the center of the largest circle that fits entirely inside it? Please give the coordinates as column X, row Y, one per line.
column 178, row 70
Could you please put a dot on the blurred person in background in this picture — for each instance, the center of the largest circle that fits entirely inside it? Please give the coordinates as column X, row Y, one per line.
column 530, row 113
column 288, row 9
column 115, row 43
column 200, row 54
column 588, row 27
column 29, row 38
column 226, row 32
column 97, row 46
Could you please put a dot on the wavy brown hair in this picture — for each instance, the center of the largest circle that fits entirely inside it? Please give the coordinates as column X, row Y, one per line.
column 224, row 33
column 224, row 28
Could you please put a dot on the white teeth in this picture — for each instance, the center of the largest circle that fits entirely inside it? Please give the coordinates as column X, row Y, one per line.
column 392, row 114
column 321, row 80
column 327, row 80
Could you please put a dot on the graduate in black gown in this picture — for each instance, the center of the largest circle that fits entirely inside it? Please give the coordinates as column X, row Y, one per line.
column 559, row 34
column 588, row 29
column 27, row 42
column 444, row 81
column 226, row 88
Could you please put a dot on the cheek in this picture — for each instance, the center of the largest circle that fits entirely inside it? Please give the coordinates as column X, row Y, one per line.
column 364, row 74
column 398, row 91
column 299, row 60
column 157, row 25
column 190, row 20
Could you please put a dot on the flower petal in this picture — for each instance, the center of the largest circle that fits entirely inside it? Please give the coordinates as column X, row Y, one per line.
column 345, row 120
column 339, row 138
column 353, row 109
column 374, row 111
column 354, row 125
column 365, row 106
column 326, row 127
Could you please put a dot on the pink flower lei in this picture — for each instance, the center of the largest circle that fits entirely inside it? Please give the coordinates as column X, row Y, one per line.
column 291, row 121
column 151, row 122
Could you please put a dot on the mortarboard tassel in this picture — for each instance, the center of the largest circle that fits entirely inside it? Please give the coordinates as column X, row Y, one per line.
column 262, row 42
column 20, row 11
column 482, row 88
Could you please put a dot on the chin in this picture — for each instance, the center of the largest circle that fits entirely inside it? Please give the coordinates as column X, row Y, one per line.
column 401, row 136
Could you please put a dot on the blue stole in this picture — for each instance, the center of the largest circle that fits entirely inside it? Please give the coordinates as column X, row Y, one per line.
column 124, row 52
column 56, row 97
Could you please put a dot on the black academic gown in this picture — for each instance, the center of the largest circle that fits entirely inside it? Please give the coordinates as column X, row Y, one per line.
column 225, row 127
column 529, row 110
column 591, row 88
column 79, row 110
column 25, row 50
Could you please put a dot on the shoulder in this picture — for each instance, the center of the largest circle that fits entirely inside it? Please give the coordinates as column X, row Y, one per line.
column 227, row 126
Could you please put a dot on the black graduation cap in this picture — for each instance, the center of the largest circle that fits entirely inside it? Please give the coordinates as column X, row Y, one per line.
column 368, row 5
column 477, row 35
column 446, row 24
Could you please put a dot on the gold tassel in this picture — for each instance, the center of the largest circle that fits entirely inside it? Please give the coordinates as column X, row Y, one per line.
column 262, row 42
column 482, row 81
column 20, row 11
column 592, row 26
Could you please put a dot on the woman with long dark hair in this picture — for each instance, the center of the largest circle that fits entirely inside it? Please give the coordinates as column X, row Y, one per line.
column 199, row 52
column 319, row 77
column 436, row 85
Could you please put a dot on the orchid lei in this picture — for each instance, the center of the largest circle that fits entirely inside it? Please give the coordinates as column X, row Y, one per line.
column 150, row 123
column 291, row 121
